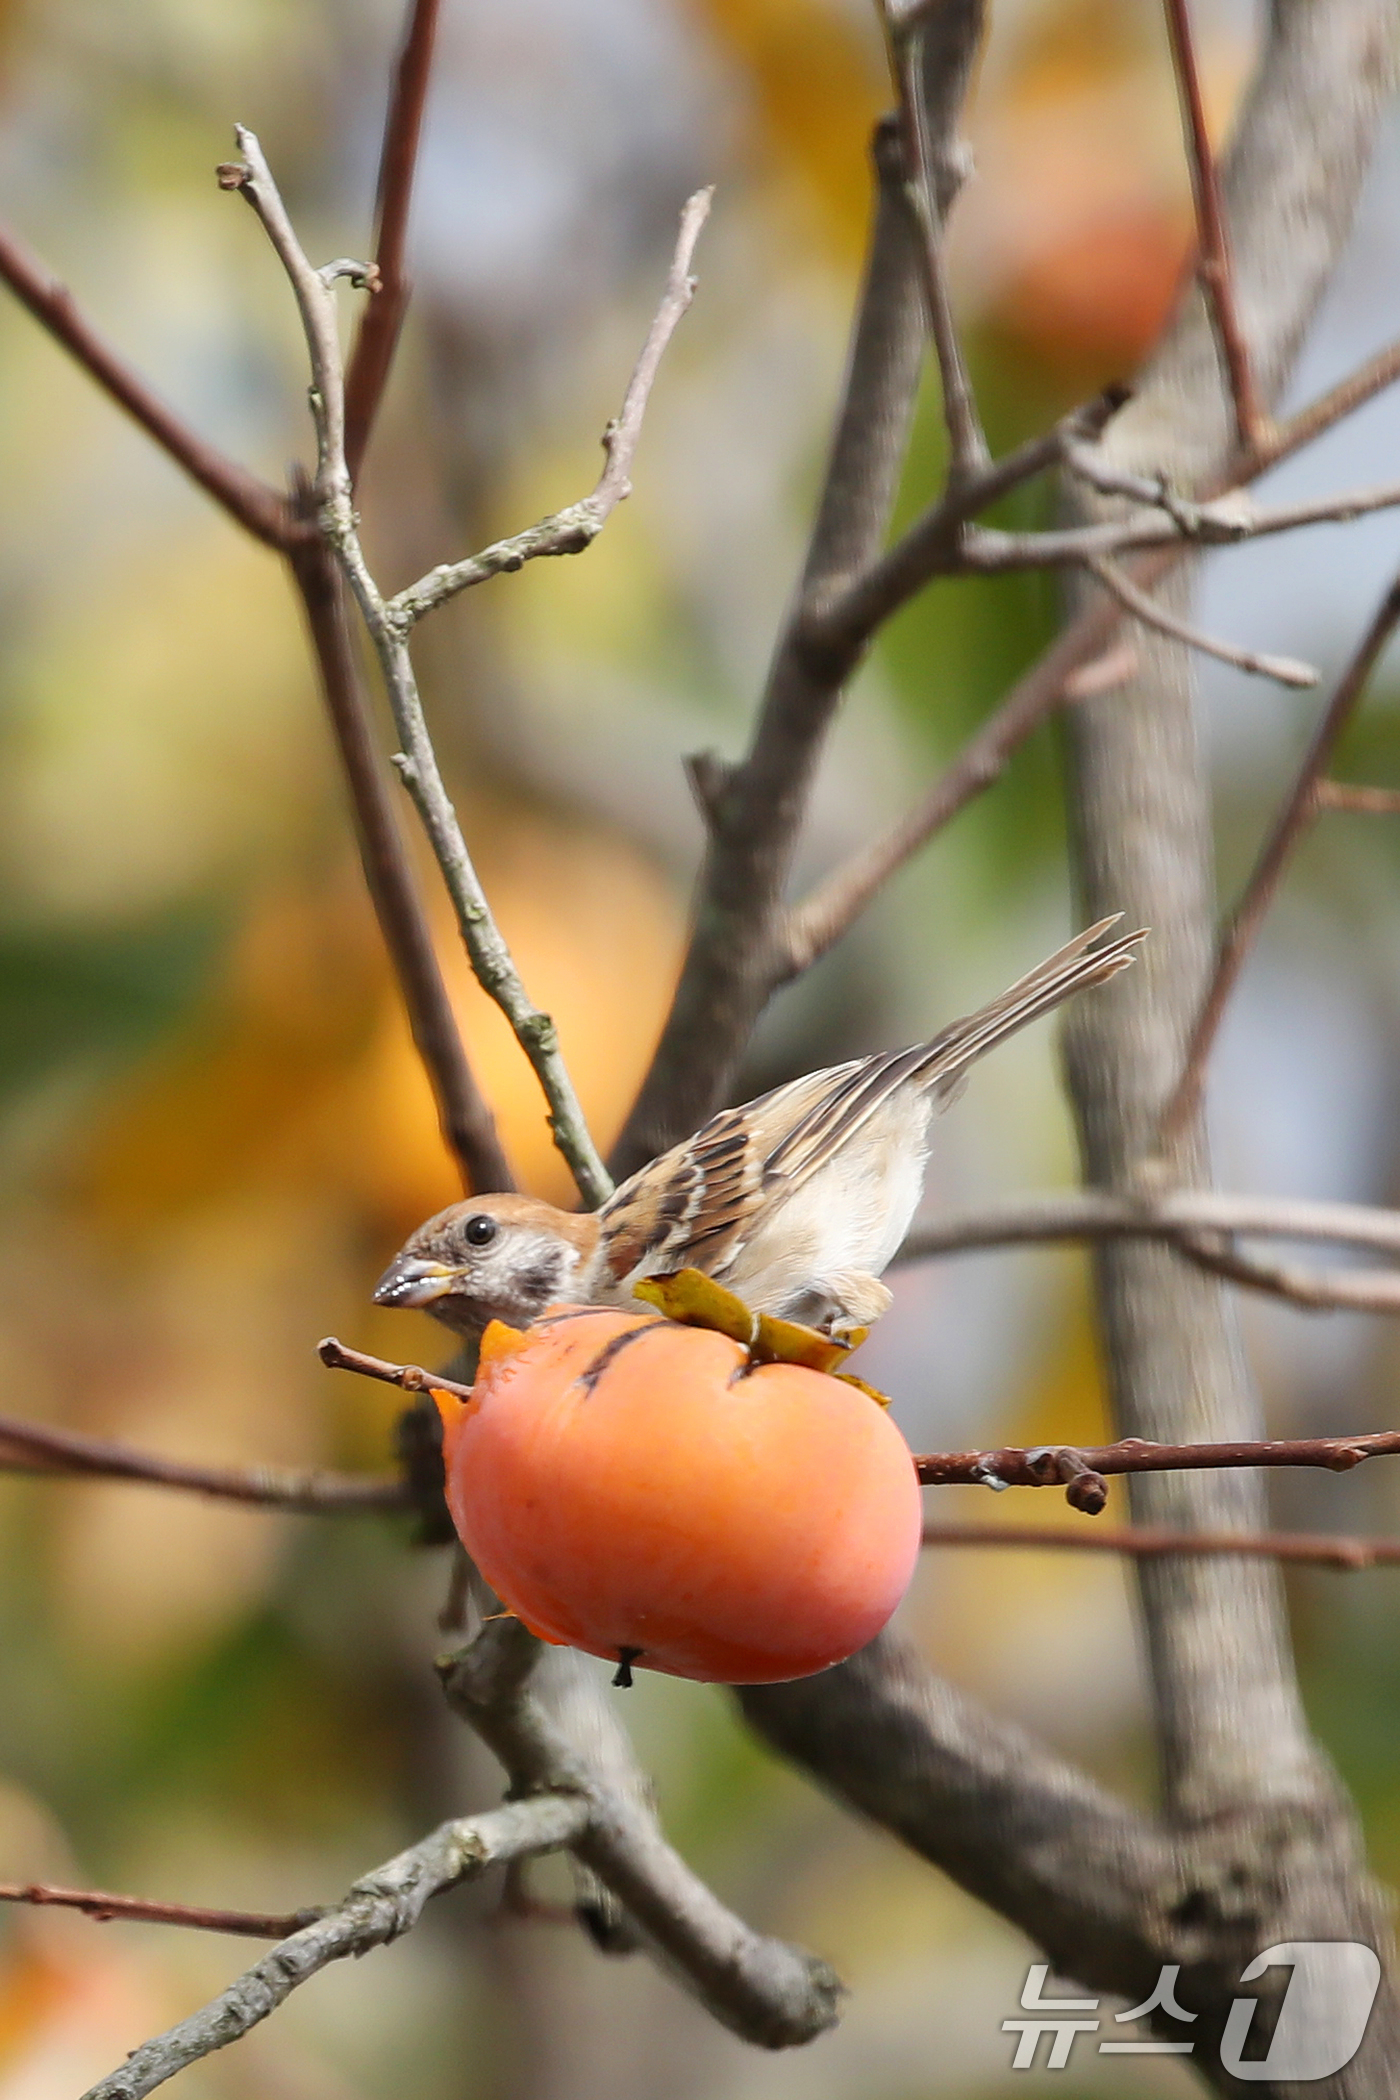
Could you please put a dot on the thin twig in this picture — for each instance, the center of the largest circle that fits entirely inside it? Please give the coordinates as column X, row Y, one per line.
column 813, row 926
column 468, row 1127
column 103, row 1905
column 256, row 506
column 382, row 318
column 1329, row 409
column 270, row 517
column 571, row 530
column 1213, row 260
column 1314, row 1290
column 1294, row 818
column 1156, row 1542
column 252, row 179
column 411, row 1378
column 1053, row 1465
column 1041, row 1466
column 490, row 957
column 25, row 1444
column 1359, row 801
column 1227, row 520
column 379, row 1908
column 1199, row 1224
column 1284, row 670
column 928, row 203
column 755, row 815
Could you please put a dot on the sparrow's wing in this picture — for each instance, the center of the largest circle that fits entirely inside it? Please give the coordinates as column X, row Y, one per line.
column 692, row 1207
column 695, row 1205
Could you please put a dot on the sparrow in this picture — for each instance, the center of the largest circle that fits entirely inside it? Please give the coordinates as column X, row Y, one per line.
column 796, row 1202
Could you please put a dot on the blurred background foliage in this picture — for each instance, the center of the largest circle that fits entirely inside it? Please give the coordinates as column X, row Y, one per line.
column 212, row 1129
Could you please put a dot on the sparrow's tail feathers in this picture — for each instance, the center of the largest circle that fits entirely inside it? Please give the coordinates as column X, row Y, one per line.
column 1070, row 969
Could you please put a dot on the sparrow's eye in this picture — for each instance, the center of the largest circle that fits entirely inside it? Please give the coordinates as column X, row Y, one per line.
column 480, row 1230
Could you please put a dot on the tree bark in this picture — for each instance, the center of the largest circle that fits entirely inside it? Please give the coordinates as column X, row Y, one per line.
column 1236, row 1755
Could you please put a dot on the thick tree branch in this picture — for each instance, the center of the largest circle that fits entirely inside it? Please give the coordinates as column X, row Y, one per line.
column 1108, row 1895
column 763, row 1989
column 1082, row 1874
column 379, row 1908
column 1233, row 1737
column 380, row 323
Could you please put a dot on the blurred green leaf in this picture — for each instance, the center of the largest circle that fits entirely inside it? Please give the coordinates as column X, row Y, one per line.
column 93, row 996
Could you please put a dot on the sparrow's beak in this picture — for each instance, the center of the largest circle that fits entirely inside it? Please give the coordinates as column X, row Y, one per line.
column 409, row 1280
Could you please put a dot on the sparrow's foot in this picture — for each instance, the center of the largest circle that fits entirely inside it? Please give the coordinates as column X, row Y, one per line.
column 856, row 1301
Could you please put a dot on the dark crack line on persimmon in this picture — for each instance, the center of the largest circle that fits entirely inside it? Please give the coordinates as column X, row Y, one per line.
column 571, row 1312
column 610, row 1351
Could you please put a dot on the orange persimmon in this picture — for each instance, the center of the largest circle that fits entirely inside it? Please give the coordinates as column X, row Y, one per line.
column 638, row 1489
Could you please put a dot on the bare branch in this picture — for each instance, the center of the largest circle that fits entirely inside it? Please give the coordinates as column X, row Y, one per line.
column 1314, row 1290
column 1284, row 670
column 1091, row 1214
column 269, row 516
column 734, row 955
column 380, row 323
column 1213, row 259
column 1108, row 1894
column 1066, row 671
column 762, row 1989
column 929, row 202
column 26, row 1446
column 468, row 1127
column 490, row 957
column 1333, row 407
column 103, row 1905
column 570, row 531
column 249, row 500
column 1294, row 818
column 1226, row 520
column 379, row 1908
column 1018, row 1828
column 1345, row 795
column 1048, row 1465
column 314, row 294
column 411, row 1378
column 845, row 617
column 1155, row 1542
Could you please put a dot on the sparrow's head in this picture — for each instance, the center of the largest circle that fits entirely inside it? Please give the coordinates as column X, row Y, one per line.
column 491, row 1258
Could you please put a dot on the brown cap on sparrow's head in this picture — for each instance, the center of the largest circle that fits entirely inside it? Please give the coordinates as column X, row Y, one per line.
column 490, row 1258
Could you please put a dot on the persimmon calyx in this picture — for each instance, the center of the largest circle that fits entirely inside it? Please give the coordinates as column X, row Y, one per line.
column 694, row 1299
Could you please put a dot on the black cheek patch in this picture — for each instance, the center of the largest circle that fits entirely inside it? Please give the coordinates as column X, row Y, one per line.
column 539, row 1284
